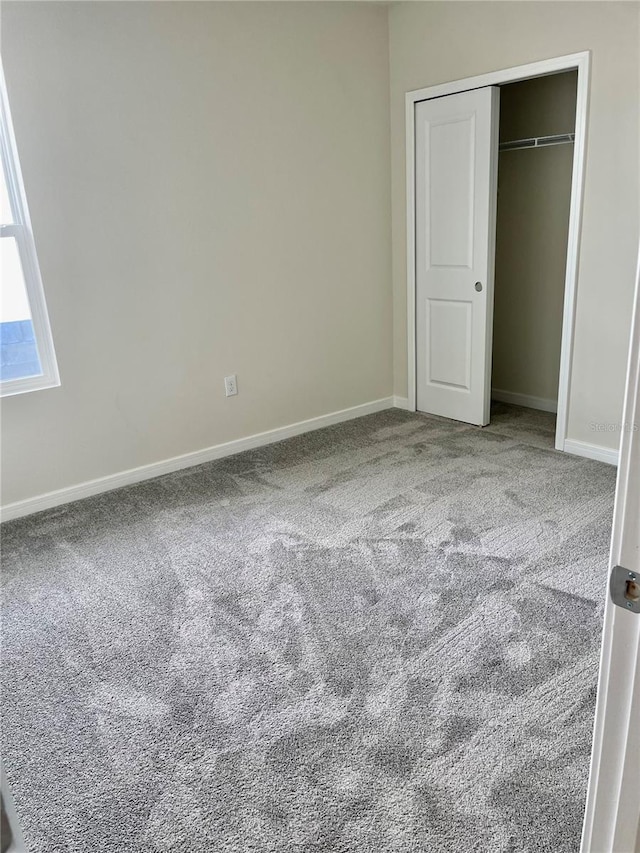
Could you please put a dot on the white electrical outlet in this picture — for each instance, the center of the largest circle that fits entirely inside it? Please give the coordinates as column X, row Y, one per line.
column 230, row 385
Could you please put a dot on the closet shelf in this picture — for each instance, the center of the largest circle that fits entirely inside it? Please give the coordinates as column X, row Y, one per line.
column 538, row 141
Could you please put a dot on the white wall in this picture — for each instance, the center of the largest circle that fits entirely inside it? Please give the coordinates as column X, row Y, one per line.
column 209, row 190
column 436, row 42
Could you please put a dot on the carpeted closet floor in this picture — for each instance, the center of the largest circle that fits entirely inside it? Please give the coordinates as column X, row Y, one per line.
column 381, row 636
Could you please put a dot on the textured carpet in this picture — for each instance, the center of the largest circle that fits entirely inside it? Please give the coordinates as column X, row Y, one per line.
column 382, row 636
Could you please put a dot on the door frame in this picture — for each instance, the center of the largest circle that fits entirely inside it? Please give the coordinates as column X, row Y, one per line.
column 612, row 810
column 574, row 61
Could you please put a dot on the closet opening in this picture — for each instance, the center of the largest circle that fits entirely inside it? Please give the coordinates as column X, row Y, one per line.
column 535, row 166
column 453, row 137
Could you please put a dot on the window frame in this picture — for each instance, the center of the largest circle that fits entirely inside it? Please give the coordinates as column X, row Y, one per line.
column 22, row 231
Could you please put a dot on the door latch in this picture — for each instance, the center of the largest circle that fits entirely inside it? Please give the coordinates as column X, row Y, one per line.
column 624, row 587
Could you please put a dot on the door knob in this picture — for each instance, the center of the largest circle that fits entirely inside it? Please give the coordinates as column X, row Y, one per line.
column 478, row 286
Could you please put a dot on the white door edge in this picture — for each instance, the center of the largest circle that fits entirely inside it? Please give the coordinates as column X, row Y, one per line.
column 612, row 810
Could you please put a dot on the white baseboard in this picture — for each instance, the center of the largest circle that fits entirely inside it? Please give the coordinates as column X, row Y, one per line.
column 187, row 460
column 401, row 403
column 230, row 448
column 540, row 403
column 591, row 451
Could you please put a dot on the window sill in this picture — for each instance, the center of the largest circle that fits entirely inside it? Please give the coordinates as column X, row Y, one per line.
column 11, row 387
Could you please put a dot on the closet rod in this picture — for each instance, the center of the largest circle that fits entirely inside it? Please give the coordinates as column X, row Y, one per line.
column 538, row 141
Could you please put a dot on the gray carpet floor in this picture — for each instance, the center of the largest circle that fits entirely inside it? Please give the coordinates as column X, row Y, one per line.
column 381, row 636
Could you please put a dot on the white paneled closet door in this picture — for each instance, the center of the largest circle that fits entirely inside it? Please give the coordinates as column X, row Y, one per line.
column 456, row 148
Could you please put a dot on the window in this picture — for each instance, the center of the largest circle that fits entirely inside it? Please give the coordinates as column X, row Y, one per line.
column 27, row 357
